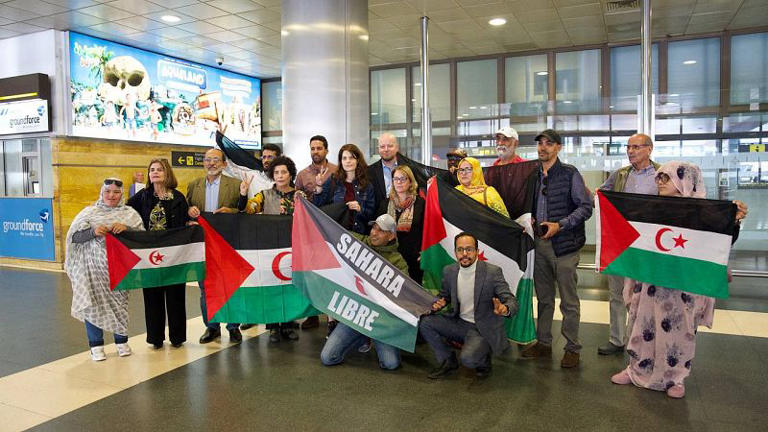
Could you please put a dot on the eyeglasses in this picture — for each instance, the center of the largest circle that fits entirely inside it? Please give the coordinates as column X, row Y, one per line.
column 662, row 178
column 118, row 183
column 400, row 179
column 211, row 160
column 545, row 183
column 636, row 147
column 467, row 170
column 468, row 249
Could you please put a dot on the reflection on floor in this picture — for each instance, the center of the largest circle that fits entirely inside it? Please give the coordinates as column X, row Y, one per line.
column 49, row 382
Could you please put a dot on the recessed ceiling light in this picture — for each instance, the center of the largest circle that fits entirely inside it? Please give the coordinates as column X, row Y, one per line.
column 170, row 18
column 689, row 62
column 497, row 22
column 567, row 102
column 542, row 73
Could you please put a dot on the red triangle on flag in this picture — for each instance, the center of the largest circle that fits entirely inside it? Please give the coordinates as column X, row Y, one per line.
column 120, row 258
column 616, row 234
column 434, row 229
column 225, row 269
column 310, row 251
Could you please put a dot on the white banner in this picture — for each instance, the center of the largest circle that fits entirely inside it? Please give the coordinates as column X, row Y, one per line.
column 24, row 117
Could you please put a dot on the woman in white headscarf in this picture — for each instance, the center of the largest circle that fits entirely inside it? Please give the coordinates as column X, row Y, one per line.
column 86, row 264
column 662, row 322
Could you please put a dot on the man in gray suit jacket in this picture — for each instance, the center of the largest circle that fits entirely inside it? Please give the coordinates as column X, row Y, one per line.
column 481, row 300
column 215, row 193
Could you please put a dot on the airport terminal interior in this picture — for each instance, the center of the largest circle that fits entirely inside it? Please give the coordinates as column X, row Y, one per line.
column 91, row 89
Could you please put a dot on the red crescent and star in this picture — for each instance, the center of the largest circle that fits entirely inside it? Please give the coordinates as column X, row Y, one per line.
column 156, row 257
column 276, row 266
column 359, row 286
column 679, row 240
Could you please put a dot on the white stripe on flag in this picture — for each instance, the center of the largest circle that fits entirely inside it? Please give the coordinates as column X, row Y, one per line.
column 262, row 260
column 170, row 255
column 700, row 245
column 509, row 267
column 343, row 277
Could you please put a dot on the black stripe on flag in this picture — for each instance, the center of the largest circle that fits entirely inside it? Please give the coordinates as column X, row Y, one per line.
column 158, row 239
column 249, row 232
column 236, row 154
column 499, row 232
column 693, row 213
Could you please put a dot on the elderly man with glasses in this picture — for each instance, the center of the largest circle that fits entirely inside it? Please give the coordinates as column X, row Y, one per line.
column 214, row 193
column 637, row 177
column 506, row 146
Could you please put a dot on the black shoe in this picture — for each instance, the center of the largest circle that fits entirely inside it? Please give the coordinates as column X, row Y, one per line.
column 289, row 334
column 310, row 323
column 177, row 345
column 274, row 335
column 331, row 326
column 210, row 335
column 446, row 368
column 246, row 326
column 609, row 349
column 235, row 335
column 157, row 346
column 483, row 371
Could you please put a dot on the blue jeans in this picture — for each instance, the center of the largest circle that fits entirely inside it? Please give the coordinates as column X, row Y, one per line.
column 476, row 351
column 96, row 336
column 203, row 309
column 343, row 340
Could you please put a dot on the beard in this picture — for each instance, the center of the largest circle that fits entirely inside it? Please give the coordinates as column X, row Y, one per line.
column 317, row 159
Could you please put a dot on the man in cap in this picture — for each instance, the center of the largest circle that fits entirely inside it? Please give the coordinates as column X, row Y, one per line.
column 561, row 207
column 506, row 146
column 383, row 240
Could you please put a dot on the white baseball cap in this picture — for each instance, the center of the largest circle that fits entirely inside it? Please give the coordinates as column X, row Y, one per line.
column 507, row 132
column 385, row 223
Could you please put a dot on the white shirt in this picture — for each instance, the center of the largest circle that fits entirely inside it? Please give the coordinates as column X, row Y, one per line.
column 465, row 291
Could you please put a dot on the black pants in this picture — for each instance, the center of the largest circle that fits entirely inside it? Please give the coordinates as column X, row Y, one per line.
column 157, row 301
column 282, row 326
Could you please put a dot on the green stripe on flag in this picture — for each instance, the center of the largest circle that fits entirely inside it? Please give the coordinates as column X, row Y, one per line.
column 386, row 327
column 433, row 260
column 264, row 305
column 521, row 328
column 670, row 271
column 162, row 276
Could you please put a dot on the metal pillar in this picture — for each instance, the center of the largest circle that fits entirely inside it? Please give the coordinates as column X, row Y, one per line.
column 426, row 116
column 324, row 75
column 646, row 109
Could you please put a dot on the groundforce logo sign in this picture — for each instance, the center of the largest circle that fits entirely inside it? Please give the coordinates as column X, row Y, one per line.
column 24, row 116
column 26, row 227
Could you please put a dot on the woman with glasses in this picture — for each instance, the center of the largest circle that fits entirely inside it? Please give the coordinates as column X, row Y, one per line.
column 663, row 322
column 162, row 207
column 472, row 183
column 93, row 302
column 407, row 209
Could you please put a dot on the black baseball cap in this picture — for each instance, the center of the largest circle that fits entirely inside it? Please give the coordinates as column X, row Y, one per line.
column 549, row 134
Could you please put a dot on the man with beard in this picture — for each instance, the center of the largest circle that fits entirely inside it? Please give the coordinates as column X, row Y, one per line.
column 506, row 146
column 214, row 193
column 380, row 173
column 312, row 177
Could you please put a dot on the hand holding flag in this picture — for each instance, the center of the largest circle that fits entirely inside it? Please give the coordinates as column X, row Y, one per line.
column 499, row 308
column 439, row 304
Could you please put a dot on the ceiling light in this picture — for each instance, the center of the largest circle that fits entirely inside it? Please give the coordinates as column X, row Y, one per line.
column 542, row 73
column 689, row 62
column 363, row 37
column 483, row 107
column 417, row 84
column 170, row 18
column 567, row 102
column 374, row 113
column 497, row 22
column 473, row 107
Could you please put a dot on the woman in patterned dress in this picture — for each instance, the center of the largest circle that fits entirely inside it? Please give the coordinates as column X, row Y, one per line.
column 663, row 322
column 162, row 207
column 93, row 302
column 472, row 183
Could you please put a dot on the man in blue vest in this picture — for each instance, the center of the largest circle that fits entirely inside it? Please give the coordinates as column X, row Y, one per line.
column 561, row 207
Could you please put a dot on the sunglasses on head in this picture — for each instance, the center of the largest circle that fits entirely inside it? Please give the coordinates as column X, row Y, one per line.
column 118, row 183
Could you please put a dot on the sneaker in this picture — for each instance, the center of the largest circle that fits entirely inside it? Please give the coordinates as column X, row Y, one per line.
column 570, row 360
column 621, row 378
column 364, row 347
column 537, row 350
column 97, row 353
column 123, row 349
column 677, row 391
column 610, row 349
column 310, row 323
column 274, row 335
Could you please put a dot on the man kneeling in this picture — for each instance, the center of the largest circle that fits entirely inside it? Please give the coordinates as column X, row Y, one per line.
column 481, row 299
column 343, row 339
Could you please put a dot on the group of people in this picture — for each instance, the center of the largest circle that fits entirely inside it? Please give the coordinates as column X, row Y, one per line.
column 386, row 212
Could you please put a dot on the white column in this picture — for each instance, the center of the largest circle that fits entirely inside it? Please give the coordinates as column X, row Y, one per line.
column 324, row 75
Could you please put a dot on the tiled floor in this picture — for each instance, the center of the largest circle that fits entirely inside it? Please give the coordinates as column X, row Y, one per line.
column 48, row 382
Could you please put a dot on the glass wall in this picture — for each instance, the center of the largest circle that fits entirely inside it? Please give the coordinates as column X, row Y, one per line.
column 526, row 87
column 694, row 73
column 388, row 96
column 626, row 76
column 439, row 92
column 749, row 71
column 25, row 168
column 272, row 105
column 477, row 89
column 577, row 82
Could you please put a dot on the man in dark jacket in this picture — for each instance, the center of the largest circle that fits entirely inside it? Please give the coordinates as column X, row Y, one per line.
column 481, row 300
column 561, row 206
column 380, row 172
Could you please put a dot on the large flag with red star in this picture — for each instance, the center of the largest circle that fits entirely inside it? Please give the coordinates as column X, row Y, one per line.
column 148, row 259
column 678, row 243
column 248, row 270
column 352, row 283
column 502, row 242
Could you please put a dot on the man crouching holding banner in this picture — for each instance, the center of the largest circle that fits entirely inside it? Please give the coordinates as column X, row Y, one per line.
column 481, row 300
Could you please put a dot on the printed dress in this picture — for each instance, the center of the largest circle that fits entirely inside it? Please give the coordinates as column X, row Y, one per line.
column 662, row 333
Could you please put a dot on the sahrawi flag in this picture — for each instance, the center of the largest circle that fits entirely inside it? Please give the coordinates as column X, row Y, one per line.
column 502, row 242
column 248, row 270
column 679, row 243
column 352, row 283
column 147, row 259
